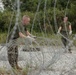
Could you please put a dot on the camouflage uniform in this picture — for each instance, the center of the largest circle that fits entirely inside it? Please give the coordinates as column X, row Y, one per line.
column 65, row 32
column 13, row 49
column 13, row 53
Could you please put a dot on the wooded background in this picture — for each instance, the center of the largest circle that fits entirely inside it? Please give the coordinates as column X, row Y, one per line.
column 29, row 7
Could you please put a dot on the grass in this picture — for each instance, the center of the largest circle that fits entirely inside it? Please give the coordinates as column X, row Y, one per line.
column 55, row 37
column 4, row 71
column 3, row 37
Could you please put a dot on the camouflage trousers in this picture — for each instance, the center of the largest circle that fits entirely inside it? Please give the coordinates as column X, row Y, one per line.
column 12, row 53
column 64, row 40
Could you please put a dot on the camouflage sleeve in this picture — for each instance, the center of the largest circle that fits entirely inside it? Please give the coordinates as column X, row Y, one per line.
column 20, row 28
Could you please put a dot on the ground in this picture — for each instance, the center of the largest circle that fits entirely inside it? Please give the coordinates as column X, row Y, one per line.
column 49, row 61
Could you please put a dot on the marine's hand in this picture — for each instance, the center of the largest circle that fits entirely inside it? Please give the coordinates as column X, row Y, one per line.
column 30, row 38
column 70, row 32
column 58, row 32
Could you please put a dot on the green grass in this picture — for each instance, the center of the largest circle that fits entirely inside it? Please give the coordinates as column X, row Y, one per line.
column 4, row 71
column 55, row 37
column 3, row 37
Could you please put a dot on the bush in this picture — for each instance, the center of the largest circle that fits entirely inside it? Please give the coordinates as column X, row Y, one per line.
column 3, row 37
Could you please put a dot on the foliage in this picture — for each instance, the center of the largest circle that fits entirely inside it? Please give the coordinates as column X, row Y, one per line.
column 3, row 37
column 29, row 7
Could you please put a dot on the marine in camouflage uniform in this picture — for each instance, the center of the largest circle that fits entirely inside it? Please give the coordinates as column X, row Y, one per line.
column 65, row 29
column 13, row 46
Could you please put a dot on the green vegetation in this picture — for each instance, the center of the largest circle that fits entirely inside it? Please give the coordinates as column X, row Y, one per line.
column 29, row 7
column 3, row 37
column 4, row 71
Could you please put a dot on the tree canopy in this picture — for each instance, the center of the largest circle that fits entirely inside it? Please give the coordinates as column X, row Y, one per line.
column 30, row 6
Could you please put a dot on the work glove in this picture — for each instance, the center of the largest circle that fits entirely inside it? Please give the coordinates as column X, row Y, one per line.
column 58, row 32
column 30, row 39
column 32, row 36
column 70, row 32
